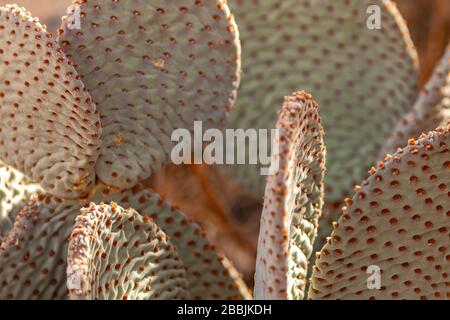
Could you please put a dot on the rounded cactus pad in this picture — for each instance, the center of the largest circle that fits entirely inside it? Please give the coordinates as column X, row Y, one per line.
column 153, row 67
column 391, row 241
column 209, row 275
column 33, row 255
column 363, row 79
column 49, row 126
column 292, row 203
column 15, row 190
column 118, row 254
column 430, row 111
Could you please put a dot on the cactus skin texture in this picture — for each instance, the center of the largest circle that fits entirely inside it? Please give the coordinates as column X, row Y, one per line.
column 51, row 220
column 155, row 66
column 292, row 203
column 209, row 274
column 174, row 62
column 34, row 254
column 152, row 67
column 49, row 125
column 325, row 48
column 398, row 220
column 431, row 110
column 15, row 190
column 118, row 254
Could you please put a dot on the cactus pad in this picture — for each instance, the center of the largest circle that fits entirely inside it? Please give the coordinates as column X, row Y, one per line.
column 119, row 254
column 398, row 221
column 33, row 255
column 15, row 190
column 364, row 80
column 430, row 111
column 209, row 275
column 49, row 126
column 153, row 67
column 293, row 202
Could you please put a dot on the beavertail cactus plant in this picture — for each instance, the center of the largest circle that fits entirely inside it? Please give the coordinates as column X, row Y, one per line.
column 120, row 254
column 363, row 80
column 15, row 189
column 208, row 274
column 33, row 254
column 293, row 202
column 153, row 67
column 50, row 127
column 87, row 118
column 398, row 223
column 146, row 79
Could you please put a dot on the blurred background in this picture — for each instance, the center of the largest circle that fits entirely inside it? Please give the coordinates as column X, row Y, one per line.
column 230, row 217
column 48, row 11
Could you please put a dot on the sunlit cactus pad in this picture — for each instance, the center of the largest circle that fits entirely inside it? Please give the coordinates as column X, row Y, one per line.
column 292, row 203
column 49, row 125
column 33, row 255
column 93, row 120
column 209, row 274
column 152, row 67
column 120, row 254
column 398, row 221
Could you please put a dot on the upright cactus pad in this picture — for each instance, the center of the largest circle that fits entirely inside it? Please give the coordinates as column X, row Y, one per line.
column 153, row 67
column 49, row 125
column 395, row 227
column 209, row 274
column 33, row 255
column 15, row 190
column 430, row 111
column 363, row 79
column 119, row 254
column 292, row 203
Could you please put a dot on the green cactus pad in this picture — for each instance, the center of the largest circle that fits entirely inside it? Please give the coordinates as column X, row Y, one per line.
column 364, row 80
column 118, row 254
column 153, row 67
column 49, row 126
column 33, row 255
column 397, row 224
column 430, row 111
column 292, row 203
column 15, row 190
column 209, row 274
